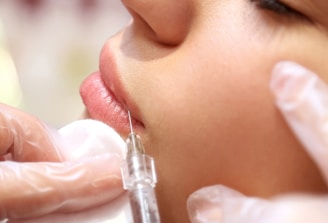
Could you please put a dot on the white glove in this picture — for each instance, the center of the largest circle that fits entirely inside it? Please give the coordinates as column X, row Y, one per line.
column 44, row 171
column 303, row 100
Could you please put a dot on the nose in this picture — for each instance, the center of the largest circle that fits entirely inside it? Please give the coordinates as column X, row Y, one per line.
column 167, row 21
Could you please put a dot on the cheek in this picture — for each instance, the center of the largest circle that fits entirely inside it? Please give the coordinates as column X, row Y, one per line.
column 218, row 84
column 206, row 104
column 218, row 116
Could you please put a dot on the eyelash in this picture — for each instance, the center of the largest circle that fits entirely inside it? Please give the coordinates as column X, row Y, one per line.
column 278, row 7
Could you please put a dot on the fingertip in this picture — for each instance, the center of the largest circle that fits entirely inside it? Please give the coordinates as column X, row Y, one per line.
column 92, row 181
column 289, row 81
column 106, row 169
column 205, row 205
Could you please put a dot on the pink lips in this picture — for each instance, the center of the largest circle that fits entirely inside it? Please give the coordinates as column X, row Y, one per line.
column 103, row 105
column 105, row 96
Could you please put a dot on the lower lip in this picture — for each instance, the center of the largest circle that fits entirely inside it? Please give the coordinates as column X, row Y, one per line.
column 102, row 104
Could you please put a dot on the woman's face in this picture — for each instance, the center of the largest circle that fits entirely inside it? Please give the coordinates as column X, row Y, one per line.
column 195, row 75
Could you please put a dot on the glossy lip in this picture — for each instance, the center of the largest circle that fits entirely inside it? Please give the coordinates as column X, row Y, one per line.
column 106, row 99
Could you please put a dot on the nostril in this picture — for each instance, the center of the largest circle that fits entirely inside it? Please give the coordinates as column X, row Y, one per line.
column 141, row 25
column 168, row 21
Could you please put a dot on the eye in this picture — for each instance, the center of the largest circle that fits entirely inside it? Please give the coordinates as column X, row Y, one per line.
column 278, row 7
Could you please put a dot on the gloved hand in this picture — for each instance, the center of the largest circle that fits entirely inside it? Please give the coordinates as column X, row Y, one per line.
column 44, row 171
column 303, row 100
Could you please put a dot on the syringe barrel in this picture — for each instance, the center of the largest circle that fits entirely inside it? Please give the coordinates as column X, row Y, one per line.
column 139, row 178
column 144, row 205
column 138, row 171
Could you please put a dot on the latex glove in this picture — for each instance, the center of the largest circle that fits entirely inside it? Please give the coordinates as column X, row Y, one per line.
column 36, row 183
column 303, row 100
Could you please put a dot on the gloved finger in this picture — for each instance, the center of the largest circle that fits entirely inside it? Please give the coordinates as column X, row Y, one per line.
column 116, row 211
column 34, row 189
column 303, row 100
column 25, row 138
column 220, row 204
column 31, row 189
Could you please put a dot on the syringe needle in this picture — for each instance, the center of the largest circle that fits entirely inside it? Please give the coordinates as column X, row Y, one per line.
column 130, row 121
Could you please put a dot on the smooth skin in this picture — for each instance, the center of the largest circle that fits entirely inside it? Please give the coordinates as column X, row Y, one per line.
column 199, row 71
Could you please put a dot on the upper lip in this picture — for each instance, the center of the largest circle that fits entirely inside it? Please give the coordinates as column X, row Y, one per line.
column 113, row 81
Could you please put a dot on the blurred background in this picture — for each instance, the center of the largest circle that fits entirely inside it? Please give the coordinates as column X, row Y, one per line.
column 47, row 47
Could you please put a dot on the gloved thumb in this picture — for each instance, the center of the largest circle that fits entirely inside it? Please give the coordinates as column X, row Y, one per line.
column 219, row 204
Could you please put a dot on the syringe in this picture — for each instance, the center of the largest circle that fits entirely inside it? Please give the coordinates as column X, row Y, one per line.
column 139, row 178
